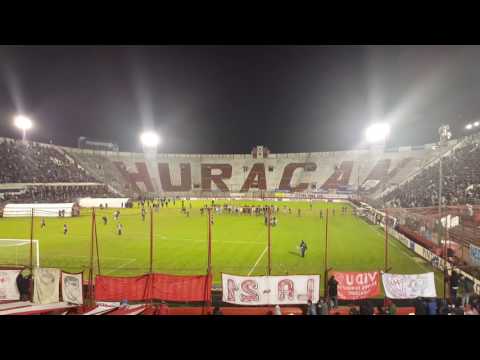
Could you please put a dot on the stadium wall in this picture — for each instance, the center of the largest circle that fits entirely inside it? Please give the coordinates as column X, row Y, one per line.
column 423, row 252
column 96, row 202
column 41, row 210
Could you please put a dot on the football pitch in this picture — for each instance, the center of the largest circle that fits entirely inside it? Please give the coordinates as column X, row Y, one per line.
column 239, row 242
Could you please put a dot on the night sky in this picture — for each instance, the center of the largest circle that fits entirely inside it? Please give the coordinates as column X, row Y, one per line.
column 226, row 99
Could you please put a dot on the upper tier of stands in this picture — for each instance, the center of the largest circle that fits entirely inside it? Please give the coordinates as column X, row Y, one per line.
column 38, row 163
column 461, row 180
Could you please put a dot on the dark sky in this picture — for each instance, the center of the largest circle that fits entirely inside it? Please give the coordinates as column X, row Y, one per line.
column 226, row 99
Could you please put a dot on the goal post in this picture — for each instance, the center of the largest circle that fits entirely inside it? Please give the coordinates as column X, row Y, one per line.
column 17, row 252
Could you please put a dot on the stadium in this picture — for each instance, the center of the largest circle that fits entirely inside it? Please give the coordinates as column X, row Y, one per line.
column 92, row 230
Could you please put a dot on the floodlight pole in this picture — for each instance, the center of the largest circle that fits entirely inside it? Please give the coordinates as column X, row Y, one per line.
column 386, row 241
column 96, row 242
column 325, row 274
column 151, row 241
column 31, row 241
column 269, row 244
column 209, row 261
column 90, row 275
column 31, row 257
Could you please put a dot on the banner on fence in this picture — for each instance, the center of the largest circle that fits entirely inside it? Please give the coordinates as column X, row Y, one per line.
column 270, row 290
column 153, row 286
column 8, row 285
column 398, row 286
column 357, row 285
column 475, row 254
column 46, row 285
column 72, row 289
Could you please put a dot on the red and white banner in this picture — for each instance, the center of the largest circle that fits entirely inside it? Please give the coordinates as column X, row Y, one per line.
column 270, row 290
column 154, row 286
column 8, row 285
column 357, row 285
column 399, row 286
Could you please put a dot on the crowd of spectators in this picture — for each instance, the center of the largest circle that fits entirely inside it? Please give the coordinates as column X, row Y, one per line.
column 28, row 162
column 57, row 194
column 461, row 182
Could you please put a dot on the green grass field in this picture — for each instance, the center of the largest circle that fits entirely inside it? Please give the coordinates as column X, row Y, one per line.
column 238, row 242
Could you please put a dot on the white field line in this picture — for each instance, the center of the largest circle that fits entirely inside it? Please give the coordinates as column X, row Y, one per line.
column 121, row 266
column 87, row 257
column 424, row 264
column 258, row 260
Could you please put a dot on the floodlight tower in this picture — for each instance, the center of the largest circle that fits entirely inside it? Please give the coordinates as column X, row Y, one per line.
column 377, row 134
column 150, row 141
column 23, row 123
column 444, row 135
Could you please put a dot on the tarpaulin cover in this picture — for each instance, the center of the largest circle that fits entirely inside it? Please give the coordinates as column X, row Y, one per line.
column 153, row 286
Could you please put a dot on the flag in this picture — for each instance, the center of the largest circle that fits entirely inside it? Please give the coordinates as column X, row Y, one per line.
column 46, row 285
column 357, row 285
column 72, row 288
column 399, row 286
column 8, row 285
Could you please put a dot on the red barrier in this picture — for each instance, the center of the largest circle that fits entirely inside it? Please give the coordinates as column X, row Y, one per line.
column 153, row 287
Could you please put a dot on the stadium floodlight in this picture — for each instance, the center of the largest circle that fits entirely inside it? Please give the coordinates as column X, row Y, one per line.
column 23, row 123
column 469, row 127
column 476, row 123
column 150, row 139
column 378, row 132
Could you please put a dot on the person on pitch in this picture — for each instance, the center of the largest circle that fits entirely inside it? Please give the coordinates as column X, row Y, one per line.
column 303, row 248
column 321, row 214
column 42, row 225
column 119, row 229
column 65, row 229
column 105, row 220
column 143, row 214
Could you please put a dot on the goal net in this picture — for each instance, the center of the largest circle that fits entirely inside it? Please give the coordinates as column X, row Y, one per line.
column 16, row 252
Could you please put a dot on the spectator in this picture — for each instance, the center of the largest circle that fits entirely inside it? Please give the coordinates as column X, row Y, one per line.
column 277, row 310
column 454, row 282
column 420, row 308
column 470, row 310
column 217, row 311
column 392, row 309
column 323, row 307
column 311, row 308
column 381, row 310
column 443, row 309
column 332, row 291
column 432, row 307
column 468, row 291
column 366, row 308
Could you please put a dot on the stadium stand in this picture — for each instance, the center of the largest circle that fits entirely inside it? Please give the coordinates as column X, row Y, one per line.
column 135, row 174
column 461, row 181
column 38, row 163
